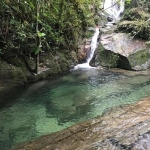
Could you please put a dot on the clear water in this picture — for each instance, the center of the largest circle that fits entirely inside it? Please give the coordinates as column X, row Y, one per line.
column 52, row 105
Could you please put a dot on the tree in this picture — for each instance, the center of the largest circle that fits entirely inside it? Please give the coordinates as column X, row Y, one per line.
column 31, row 26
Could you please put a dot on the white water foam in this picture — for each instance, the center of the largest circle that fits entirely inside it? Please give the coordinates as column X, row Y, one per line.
column 93, row 46
column 114, row 8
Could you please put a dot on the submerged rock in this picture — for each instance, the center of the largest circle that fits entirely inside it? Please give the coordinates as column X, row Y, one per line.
column 121, row 50
column 123, row 128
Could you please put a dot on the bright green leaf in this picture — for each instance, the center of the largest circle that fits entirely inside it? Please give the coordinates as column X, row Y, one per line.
column 40, row 34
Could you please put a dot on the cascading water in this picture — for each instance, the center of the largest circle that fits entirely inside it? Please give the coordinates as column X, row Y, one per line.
column 93, row 46
column 114, row 8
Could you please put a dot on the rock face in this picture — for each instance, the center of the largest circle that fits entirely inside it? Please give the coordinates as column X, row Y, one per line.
column 10, row 75
column 83, row 50
column 14, row 71
column 120, row 50
column 125, row 128
column 85, row 45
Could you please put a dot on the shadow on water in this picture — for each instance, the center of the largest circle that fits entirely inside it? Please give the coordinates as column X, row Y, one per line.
column 52, row 105
column 7, row 98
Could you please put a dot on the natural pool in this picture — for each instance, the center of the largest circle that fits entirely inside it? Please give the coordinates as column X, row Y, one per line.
column 52, row 105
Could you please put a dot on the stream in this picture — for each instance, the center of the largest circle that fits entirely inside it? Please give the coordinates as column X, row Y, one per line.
column 52, row 105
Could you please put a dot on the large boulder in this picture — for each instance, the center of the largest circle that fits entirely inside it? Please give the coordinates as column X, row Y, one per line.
column 11, row 76
column 14, row 71
column 123, row 51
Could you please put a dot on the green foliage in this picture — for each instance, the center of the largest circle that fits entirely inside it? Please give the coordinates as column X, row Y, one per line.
column 139, row 57
column 137, row 18
column 141, row 4
column 108, row 58
column 128, row 1
column 31, row 26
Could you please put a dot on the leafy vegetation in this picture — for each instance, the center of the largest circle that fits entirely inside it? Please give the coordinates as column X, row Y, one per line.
column 31, row 26
column 137, row 18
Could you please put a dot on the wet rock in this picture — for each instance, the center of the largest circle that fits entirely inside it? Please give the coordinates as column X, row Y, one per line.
column 121, row 128
column 110, row 19
column 124, row 51
column 84, row 50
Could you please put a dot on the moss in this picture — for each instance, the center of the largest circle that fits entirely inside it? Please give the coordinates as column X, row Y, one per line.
column 19, row 62
column 17, row 76
column 108, row 58
column 139, row 58
column 64, row 61
column 136, row 23
column 74, row 57
column 91, row 22
column 54, row 67
column 131, row 14
column 14, row 72
column 11, row 75
column 89, row 33
column 59, row 62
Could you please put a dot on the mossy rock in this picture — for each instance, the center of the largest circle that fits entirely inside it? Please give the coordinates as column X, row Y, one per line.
column 46, row 55
column 107, row 58
column 131, row 14
column 89, row 33
column 139, row 57
column 14, row 72
column 19, row 62
column 11, row 76
column 120, row 50
column 63, row 62
column 135, row 21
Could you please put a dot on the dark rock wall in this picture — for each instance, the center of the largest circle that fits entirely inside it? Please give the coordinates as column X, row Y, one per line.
column 14, row 71
column 11, row 75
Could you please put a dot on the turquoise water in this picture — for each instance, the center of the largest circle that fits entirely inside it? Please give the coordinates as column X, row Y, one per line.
column 52, row 105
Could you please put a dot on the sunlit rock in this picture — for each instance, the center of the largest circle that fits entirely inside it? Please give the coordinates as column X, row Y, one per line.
column 121, row 50
column 120, row 128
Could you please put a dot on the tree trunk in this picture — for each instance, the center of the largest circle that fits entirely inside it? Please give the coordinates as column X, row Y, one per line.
column 38, row 38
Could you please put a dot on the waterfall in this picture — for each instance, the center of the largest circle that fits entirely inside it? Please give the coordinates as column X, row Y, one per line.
column 114, row 8
column 93, row 46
